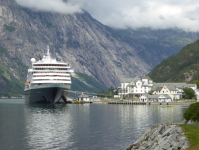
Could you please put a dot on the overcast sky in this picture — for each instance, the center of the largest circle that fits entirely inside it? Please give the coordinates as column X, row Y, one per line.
column 157, row 14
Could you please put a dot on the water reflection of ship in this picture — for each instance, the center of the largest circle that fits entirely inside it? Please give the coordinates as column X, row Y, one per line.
column 47, row 125
column 47, row 106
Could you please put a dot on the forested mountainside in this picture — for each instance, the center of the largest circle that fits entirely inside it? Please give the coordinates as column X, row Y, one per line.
column 182, row 67
column 87, row 45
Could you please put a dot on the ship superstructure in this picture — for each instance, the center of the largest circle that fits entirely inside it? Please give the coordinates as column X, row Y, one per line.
column 48, row 80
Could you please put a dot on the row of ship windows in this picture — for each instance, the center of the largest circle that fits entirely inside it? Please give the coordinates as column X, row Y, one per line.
column 50, row 68
column 50, row 65
column 47, row 72
column 51, row 76
column 50, row 72
column 50, row 80
column 36, row 84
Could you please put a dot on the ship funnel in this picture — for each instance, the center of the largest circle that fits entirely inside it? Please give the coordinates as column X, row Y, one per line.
column 33, row 60
column 47, row 49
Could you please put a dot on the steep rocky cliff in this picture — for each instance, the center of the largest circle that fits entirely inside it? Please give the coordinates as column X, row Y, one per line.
column 79, row 39
column 89, row 46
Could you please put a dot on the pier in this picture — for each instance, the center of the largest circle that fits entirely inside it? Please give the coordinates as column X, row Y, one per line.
column 149, row 103
column 128, row 103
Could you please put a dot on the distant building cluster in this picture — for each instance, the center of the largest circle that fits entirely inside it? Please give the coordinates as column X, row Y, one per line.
column 161, row 92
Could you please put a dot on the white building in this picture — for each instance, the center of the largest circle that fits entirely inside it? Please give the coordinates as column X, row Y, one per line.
column 133, row 87
column 136, row 87
column 174, row 90
column 83, row 97
column 155, row 98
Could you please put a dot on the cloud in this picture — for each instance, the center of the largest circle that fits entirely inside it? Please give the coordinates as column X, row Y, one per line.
column 51, row 6
column 155, row 14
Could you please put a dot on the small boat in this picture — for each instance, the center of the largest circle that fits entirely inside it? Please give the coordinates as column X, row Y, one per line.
column 165, row 106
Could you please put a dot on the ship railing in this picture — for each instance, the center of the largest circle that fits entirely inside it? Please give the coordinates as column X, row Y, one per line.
column 50, row 85
column 52, row 61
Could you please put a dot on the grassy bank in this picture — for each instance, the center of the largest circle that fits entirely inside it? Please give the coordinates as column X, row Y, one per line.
column 192, row 132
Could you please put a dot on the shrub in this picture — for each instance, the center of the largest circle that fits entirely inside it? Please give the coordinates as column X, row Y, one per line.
column 189, row 92
column 192, row 113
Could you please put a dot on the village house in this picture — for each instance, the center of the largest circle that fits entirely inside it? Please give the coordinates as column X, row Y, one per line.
column 165, row 89
column 136, row 87
column 174, row 90
column 83, row 97
column 133, row 87
column 155, row 98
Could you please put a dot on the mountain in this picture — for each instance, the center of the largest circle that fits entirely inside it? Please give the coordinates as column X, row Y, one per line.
column 89, row 47
column 182, row 67
column 78, row 39
column 160, row 43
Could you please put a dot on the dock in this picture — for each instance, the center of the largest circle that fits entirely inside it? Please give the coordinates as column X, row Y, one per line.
column 149, row 103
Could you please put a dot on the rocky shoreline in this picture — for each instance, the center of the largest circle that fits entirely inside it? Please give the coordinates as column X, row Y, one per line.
column 162, row 137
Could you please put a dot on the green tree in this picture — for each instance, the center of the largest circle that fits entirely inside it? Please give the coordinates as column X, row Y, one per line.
column 116, row 91
column 101, row 94
column 188, row 92
column 192, row 113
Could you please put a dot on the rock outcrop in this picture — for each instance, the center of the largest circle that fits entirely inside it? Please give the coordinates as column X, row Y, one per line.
column 162, row 137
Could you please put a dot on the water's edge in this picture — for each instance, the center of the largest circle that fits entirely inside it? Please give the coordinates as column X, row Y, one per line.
column 162, row 136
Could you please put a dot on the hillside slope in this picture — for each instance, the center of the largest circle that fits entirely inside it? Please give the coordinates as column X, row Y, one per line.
column 182, row 67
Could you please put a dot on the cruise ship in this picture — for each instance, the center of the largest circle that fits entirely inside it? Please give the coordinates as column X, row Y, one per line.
column 48, row 81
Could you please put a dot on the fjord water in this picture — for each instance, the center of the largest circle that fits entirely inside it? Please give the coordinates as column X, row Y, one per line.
column 78, row 126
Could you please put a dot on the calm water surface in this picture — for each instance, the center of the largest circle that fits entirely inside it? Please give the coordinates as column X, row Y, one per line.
column 78, row 126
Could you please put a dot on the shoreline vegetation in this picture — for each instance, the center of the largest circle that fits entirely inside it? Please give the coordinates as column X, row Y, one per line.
column 192, row 133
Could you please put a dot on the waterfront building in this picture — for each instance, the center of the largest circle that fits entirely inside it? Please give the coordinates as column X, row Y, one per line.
column 136, row 87
column 83, row 97
column 174, row 90
column 165, row 89
column 155, row 98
